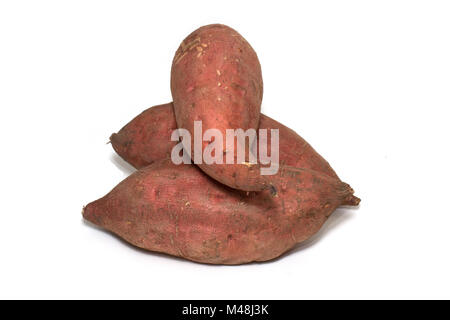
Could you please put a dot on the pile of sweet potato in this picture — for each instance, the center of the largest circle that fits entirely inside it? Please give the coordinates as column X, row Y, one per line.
column 217, row 213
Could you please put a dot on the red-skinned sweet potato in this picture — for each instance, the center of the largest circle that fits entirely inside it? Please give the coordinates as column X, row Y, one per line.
column 146, row 139
column 216, row 78
column 180, row 211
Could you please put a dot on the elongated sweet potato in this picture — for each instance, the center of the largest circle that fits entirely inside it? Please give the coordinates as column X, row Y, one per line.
column 180, row 211
column 146, row 139
column 216, row 79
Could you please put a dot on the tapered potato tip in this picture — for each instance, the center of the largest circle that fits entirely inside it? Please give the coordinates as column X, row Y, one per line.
column 348, row 199
column 85, row 212
column 115, row 139
column 90, row 212
column 351, row 201
column 119, row 142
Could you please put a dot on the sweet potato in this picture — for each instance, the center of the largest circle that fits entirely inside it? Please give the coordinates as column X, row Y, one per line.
column 146, row 139
column 216, row 79
column 180, row 211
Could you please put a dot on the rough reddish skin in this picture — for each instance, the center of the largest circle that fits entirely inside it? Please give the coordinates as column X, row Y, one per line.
column 216, row 78
column 180, row 211
column 146, row 139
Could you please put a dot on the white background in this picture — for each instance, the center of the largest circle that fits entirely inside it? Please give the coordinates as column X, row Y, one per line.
column 367, row 83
